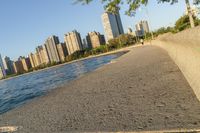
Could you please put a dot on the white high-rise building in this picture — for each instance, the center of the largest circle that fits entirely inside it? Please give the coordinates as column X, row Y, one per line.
column 51, row 48
column 95, row 39
column 112, row 25
column 2, row 69
column 142, row 26
column 43, row 56
column 8, row 65
column 145, row 26
column 73, row 42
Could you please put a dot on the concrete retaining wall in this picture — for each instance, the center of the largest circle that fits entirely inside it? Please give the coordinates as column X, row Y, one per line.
column 184, row 48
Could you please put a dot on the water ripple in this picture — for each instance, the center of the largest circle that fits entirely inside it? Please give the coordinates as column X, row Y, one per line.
column 17, row 91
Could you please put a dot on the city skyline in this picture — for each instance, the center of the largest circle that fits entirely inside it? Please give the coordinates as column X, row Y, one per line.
column 26, row 38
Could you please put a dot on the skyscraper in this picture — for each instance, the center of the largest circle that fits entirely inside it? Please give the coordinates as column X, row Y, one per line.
column 26, row 63
column 112, row 25
column 51, row 48
column 95, row 39
column 36, row 59
column 18, row 66
column 62, row 51
column 2, row 69
column 73, row 42
column 145, row 26
column 43, row 56
column 141, row 28
column 1, row 73
column 85, row 45
column 8, row 65
column 32, row 60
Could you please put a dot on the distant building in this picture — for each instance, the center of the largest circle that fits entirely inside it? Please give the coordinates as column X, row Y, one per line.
column 26, row 63
column 95, row 39
column 1, row 73
column 8, row 65
column 141, row 28
column 51, row 48
column 43, row 56
column 130, row 32
column 62, row 51
column 32, row 60
column 73, row 42
column 2, row 69
column 36, row 59
column 112, row 25
column 18, row 67
column 145, row 26
column 85, row 44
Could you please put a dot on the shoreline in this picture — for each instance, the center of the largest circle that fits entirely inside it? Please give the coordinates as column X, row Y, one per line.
column 125, row 49
column 118, row 52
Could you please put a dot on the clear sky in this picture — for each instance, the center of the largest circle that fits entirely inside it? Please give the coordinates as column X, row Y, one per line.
column 24, row 24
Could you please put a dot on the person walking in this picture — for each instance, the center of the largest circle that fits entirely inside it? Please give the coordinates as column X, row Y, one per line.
column 142, row 41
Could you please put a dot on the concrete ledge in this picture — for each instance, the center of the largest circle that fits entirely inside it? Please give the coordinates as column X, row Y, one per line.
column 184, row 48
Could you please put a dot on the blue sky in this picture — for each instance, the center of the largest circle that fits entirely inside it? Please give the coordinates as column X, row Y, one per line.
column 24, row 24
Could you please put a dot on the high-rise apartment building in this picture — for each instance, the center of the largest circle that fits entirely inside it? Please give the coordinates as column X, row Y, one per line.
column 51, row 48
column 32, row 60
column 73, row 42
column 18, row 67
column 2, row 69
column 112, row 25
column 1, row 73
column 26, row 63
column 36, row 59
column 145, row 26
column 62, row 51
column 85, row 45
column 8, row 65
column 141, row 28
column 43, row 56
column 95, row 39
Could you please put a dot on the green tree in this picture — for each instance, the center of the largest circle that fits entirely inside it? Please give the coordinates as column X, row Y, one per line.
column 184, row 23
column 163, row 30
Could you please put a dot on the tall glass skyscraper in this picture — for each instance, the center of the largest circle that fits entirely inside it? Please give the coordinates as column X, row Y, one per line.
column 112, row 25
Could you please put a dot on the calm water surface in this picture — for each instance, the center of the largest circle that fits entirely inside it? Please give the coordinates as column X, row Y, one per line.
column 17, row 91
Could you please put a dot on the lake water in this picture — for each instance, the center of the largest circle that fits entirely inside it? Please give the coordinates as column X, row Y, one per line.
column 17, row 91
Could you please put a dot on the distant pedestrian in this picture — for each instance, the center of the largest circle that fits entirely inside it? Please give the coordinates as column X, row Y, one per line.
column 142, row 41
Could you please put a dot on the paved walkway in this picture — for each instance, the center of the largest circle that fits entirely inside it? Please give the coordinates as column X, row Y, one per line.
column 142, row 90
